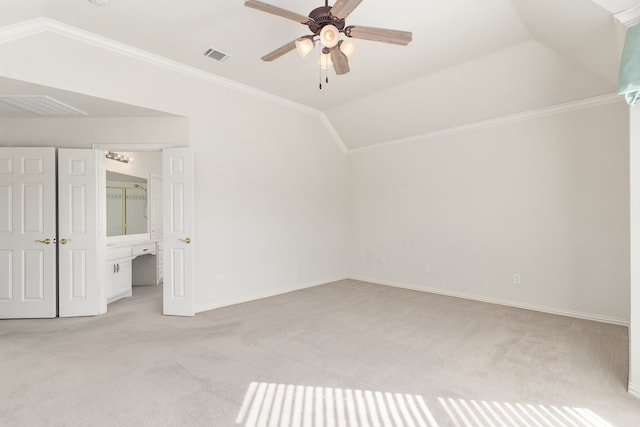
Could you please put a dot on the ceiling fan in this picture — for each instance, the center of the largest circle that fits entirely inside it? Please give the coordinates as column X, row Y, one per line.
column 326, row 23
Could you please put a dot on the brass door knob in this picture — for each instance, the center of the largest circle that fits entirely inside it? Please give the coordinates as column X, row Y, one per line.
column 45, row 241
column 64, row 241
column 187, row 240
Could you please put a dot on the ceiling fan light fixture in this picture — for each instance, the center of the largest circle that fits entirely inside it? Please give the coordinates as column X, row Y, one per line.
column 348, row 48
column 304, row 46
column 326, row 23
column 329, row 35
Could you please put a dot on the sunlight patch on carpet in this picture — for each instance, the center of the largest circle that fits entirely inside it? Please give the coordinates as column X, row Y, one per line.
column 272, row 405
column 280, row 405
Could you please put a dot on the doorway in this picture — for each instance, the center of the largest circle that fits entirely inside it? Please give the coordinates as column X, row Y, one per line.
column 173, row 228
column 79, row 240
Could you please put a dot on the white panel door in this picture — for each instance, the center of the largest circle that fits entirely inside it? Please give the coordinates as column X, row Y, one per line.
column 178, row 288
column 80, row 240
column 27, row 233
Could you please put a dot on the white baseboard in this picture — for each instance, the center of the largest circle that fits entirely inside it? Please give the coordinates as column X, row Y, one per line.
column 543, row 309
column 273, row 293
column 634, row 390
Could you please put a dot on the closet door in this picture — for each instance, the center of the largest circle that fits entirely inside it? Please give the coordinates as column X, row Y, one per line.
column 27, row 233
column 81, row 242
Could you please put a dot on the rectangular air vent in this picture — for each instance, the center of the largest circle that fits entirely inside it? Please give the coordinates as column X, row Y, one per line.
column 42, row 105
column 216, row 54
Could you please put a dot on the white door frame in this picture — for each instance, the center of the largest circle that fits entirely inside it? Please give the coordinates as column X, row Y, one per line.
column 149, row 148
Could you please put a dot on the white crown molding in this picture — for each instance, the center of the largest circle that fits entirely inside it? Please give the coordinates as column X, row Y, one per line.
column 629, row 17
column 498, row 121
column 39, row 25
column 533, row 307
column 21, row 30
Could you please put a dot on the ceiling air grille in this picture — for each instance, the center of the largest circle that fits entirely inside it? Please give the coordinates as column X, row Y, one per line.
column 216, row 54
column 42, row 105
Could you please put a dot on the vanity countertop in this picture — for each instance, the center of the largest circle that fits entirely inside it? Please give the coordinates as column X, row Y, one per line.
column 131, row 249
column 125, row 243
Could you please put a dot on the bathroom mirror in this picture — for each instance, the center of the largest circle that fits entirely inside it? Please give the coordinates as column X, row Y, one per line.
column 127, row 204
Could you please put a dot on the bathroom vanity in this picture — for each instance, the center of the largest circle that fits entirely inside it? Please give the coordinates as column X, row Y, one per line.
column 128, row 265
column 134, row 243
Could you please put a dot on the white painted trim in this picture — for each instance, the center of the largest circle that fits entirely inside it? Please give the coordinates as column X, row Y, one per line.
column 543, row 309
column 498, row 121
column 629, row 17
column 21, row 30
column 277, row 292
column 39, row 25
column 634, row 390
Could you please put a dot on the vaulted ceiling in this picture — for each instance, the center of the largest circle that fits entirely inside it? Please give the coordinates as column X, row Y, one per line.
column 469, row 61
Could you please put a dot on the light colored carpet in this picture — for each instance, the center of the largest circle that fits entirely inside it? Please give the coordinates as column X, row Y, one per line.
column 342, row 352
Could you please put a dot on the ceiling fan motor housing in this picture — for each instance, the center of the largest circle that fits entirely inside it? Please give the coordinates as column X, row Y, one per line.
column 320, row 17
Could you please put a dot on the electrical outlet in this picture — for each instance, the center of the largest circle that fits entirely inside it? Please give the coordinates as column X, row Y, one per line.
column 516, row 279
column 220, row 279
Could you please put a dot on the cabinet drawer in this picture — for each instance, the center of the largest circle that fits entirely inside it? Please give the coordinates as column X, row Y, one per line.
column 118, row 253
column 144, row 249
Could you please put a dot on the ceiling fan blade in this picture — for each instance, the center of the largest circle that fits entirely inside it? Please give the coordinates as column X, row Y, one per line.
column 279, row 51
column 342, row 8
column 274, row 10
column 340, row 61
column 379, row 35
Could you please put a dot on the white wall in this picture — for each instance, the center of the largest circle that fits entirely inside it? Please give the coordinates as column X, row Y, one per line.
column 483, row 88
column 84, row 131
column 547, row 198
column 270, row 182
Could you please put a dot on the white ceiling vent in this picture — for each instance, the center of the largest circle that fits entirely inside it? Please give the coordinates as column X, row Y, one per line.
column 217, row 55
column 42, row 105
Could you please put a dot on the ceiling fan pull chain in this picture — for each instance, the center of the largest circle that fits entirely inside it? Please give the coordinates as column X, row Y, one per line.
column 320, row 67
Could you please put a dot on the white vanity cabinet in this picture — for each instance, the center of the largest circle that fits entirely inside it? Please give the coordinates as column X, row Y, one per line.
column 130, row 264
column 145, row 264
column 118, row 279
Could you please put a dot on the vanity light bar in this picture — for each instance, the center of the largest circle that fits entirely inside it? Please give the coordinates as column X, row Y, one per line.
column 117, row 156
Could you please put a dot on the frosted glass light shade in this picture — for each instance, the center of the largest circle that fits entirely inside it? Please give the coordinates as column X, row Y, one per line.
column 325, row 61
column 329, row 36
column 304, row 46
column 348, row 48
